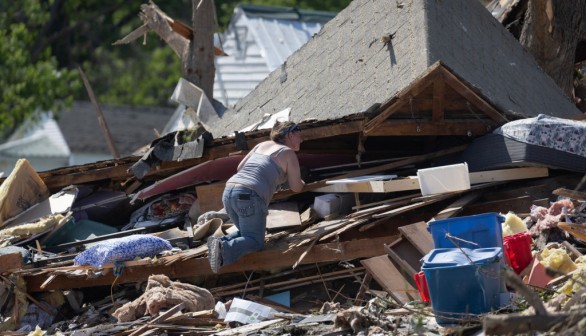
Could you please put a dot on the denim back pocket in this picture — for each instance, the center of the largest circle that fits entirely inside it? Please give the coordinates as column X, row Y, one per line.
column 244, row 208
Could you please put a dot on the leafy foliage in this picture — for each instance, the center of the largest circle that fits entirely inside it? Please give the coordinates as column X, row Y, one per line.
column 42, row 42
column 27, row 84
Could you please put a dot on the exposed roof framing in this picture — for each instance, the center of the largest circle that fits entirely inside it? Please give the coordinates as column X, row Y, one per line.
column 437, row 103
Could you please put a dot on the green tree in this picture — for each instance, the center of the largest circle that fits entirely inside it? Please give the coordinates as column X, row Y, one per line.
column 42, row 42
column 29, row 82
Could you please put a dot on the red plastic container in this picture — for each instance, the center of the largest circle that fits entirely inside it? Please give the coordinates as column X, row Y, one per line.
column 422, row 286
column 517, row 249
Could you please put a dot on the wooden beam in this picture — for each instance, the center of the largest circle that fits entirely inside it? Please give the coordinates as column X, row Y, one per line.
column 439, row 90
column 404, row 162
column 412, row 182
column 263, row 260
column 390, row 278
column 465, row 90
column 119, row 169
column 419, row 237
column 427, row 128
column 517, row 205
column 573, row 194
column 508, row 174
column 403, row 97
column 457, row 207
column 400, row 102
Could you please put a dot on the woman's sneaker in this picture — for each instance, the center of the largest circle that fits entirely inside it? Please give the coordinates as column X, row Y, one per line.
column 215, row 253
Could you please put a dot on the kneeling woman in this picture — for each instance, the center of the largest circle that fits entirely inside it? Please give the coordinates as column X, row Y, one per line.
column 248, row 193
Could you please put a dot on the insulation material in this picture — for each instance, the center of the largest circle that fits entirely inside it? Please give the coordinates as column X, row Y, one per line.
column 578, row 279
column 21, row 190
column 41, row 225
column 161, row 293
column 557, row 259
column 513, row 224
column 546, row 218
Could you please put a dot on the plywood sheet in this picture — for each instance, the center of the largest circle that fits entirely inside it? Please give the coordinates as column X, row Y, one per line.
column 209, row 196
column 283, row 215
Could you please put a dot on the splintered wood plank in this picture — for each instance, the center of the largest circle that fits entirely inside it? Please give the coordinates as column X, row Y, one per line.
column 283, row 215
column 412, row 182
column 418, row 235
column 12, row 261
column 372, row 186
column 457, row 207
column 508, row 174
column 263, row 260
column 573, row 194
column 414, row 128
column 406, row 257
column 536, row 191
column 209, row 196
column 516, row 205
column 389, row 278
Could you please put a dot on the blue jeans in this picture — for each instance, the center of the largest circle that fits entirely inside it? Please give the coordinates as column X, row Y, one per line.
column 249, row 213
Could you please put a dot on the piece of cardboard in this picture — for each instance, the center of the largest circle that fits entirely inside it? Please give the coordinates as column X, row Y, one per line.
column 21, row 190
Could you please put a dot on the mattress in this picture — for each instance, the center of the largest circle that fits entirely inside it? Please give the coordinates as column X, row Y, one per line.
column 541, row 141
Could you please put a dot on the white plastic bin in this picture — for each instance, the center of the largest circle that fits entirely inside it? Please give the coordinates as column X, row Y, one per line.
column 331, row 205
column 444, row 179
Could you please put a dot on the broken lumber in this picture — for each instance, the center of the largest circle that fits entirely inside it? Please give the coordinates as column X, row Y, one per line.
column 263, row 260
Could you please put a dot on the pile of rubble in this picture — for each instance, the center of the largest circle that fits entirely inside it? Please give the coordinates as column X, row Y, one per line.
column 315, row 275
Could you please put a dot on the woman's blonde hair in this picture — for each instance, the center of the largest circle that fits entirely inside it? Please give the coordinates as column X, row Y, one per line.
column 281, row 129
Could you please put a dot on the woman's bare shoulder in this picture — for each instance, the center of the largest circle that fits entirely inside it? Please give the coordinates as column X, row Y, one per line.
column 271, row 147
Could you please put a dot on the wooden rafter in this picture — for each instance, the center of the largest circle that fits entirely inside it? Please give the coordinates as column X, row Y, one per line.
column 440, row 79
column 401, row 99
column 478, row 102
column 439, row 90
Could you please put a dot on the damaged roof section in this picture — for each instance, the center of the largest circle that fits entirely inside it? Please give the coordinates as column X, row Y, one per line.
column 372, row 50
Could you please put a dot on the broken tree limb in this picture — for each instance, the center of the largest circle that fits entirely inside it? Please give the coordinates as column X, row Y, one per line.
column 101, row 118
column 517, row 284
column 158, row 21
column 135, row 34
column 515, row 324
column 174, row 32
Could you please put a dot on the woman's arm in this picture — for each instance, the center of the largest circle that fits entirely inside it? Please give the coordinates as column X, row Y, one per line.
column 293, row 172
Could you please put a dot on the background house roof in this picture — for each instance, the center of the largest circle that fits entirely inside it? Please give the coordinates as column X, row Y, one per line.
column 40, row 138
column 40, row 141
column 258, row 40
column 131, row 127
column 346, row 68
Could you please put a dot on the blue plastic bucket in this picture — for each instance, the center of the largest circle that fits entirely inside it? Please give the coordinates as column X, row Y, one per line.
column 478, row 231
column 463, row 283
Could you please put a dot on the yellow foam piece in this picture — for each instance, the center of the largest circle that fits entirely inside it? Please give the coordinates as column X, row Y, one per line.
column 513, row 224
column 557, row 259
